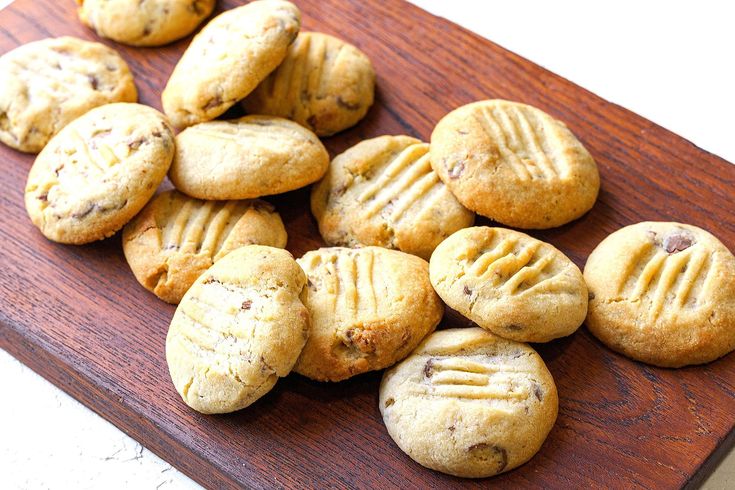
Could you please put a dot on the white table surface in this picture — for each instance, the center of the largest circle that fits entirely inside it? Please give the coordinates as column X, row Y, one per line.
column 671, row 61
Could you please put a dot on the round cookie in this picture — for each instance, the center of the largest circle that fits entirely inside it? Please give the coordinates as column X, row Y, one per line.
column 469, row 403
column 176, row 238
column 369, row 308
column 663, row 293
column 383, row 192
column 514, row 164
column 512, row 284
column 228, row 58
column 47, row 84
column 246, row 158
column 144, row 23
column 324, row 84
column 238, row 329
column 98, row 172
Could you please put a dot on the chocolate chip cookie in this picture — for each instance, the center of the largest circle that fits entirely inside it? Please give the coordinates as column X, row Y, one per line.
column 324, row 84
column 469, row 403
column 98, row 172
column 369, row 307
column 510, row 283
column 514, row 164
column 47, row 84
column 383, row 192
column 663, row 293
column 176, row 238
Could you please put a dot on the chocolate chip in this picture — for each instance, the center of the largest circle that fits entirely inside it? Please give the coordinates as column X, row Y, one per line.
column 513, row 327
column 456, row 170
column 466, row 290
column 492, row 451
column 84, row 213
column 677, row 241
column 429, row 368
column 389, row 402
column 537, row 391
column 135, row 144
column 347, row 105
column 590, row 296
column 247, row 304
column 451, row 428
column 43, row 197
column 94, row 81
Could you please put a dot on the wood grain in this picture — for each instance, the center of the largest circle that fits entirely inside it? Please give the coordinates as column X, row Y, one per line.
column 77, row 316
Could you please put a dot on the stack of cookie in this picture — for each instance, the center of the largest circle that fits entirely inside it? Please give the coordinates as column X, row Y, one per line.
column 396, row 212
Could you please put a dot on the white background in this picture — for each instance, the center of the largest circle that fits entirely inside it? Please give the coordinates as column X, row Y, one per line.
column 671, row 61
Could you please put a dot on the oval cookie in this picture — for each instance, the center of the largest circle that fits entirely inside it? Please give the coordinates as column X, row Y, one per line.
column 144, row 22
column 324, row 84
column 369, row 308
column 383, row 192
column 663, row 293
column 98, row 172
column 47, row 84
column 469, row 403
column 228, row 58
column 176, row 238
column 246, row 158
column 514, row 164
column 238, row 329
column 510, row 283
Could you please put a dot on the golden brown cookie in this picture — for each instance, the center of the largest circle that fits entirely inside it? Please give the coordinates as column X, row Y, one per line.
column 144, row 22
column 369, row 308
column 469, row 403
column 510, row 283
column 324, row 84
column 663, row 293
column 238, row 329
column 383, row 192
column 228, row 58
column 44, row 85
column 514, row 164
column 176, row 238
column 98, row 172
column 246, row 158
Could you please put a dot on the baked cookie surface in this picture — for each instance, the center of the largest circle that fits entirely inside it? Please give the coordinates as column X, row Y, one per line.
column 384, row 192
column 324, row 84
column 228, row 58
column 238, row 329
column 512, row 284
column 176, row 238
column 144, row 22
column 663, row 293
column 47, row 84
column 469, row 403
column 98, row 172
column 514, row 164
column 246, row 158
column 369, row 308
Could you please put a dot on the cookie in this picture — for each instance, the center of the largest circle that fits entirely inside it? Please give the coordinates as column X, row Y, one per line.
column 663, row 293
column 47, row 84
column 229, row 58
column 510, row 283
column 469, row 403
column 383, row 192
column 98, row 172
column 238, row 329
column 369, row 308
column 246, row 158
column 176, row 238
column 144, row 23
column 514, row 164
column 324, row 84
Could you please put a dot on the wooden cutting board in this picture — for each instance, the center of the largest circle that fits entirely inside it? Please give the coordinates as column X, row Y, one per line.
column 77, row 316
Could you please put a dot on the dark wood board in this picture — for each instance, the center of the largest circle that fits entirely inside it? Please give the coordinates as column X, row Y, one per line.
column 77, row 316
